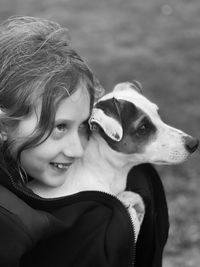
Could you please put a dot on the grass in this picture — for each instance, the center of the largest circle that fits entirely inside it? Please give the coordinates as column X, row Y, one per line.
column 157, row 43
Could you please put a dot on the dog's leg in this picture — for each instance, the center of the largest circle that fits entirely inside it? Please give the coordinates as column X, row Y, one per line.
column 136, row 208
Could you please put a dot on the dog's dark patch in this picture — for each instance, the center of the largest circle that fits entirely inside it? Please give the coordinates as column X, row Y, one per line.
column 111, row 108
column 138, row 128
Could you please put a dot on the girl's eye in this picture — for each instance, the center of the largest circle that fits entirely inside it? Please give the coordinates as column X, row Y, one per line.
column 61, row 127
column 59, row 130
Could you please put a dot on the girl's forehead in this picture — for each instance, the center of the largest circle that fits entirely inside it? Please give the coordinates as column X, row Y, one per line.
column 80, row 94
column 74, row 106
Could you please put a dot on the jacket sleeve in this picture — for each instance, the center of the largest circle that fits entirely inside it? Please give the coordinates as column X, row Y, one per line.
column 87, row 229
column 92, row 230
column 153, row 235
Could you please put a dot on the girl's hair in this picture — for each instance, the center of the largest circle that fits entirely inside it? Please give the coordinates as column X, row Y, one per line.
column 37, row 62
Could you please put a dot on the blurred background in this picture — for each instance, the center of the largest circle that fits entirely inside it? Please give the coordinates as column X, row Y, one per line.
column 156, row 42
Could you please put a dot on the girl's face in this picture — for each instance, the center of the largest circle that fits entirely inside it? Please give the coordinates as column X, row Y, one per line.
column 49, row 162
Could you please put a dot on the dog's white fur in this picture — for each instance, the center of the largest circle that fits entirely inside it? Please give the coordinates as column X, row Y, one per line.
column 104, row 169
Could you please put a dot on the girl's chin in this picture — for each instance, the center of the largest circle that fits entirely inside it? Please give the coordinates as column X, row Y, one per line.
column 53, row 183
column 54, row 178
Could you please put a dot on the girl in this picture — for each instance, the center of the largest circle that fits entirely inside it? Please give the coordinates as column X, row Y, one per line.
column 46, row 94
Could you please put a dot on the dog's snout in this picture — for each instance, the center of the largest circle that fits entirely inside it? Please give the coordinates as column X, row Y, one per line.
column 191, row 144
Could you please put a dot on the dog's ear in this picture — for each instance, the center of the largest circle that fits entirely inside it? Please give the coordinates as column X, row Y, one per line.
column 106, row 114
column 133, row 85
column 137, row 86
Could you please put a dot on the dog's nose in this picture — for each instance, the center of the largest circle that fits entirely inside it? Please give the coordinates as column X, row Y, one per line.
column 191, row 143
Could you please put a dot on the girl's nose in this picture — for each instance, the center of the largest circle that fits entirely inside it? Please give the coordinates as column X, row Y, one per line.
column 73, row 147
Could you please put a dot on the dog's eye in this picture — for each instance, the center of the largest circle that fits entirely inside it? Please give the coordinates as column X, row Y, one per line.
column 142, row 129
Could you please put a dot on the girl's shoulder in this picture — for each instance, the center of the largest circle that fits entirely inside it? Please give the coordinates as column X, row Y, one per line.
column 20, row 227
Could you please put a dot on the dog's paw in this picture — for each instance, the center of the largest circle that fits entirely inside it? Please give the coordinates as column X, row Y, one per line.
column 135, row 205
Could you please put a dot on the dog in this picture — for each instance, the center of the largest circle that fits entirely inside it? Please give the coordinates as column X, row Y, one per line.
column 126, row 131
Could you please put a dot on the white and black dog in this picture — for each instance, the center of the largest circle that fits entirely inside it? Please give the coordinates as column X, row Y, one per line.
column 126, row 131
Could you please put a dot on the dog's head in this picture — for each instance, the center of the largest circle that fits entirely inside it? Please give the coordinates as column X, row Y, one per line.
column 131, row 125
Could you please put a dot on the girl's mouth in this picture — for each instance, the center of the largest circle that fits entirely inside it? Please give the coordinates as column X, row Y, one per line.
column 60, row 166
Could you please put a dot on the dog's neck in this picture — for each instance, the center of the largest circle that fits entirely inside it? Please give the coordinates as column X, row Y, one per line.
column 107, row 166
column 106, row 155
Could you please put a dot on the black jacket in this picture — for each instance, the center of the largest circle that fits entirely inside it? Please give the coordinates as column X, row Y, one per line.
column 88, row 229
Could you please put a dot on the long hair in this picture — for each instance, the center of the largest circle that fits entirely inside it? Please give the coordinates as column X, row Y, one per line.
column 37, row 62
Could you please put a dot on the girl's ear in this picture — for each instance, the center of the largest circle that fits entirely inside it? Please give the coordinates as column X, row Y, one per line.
column 106, row 114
